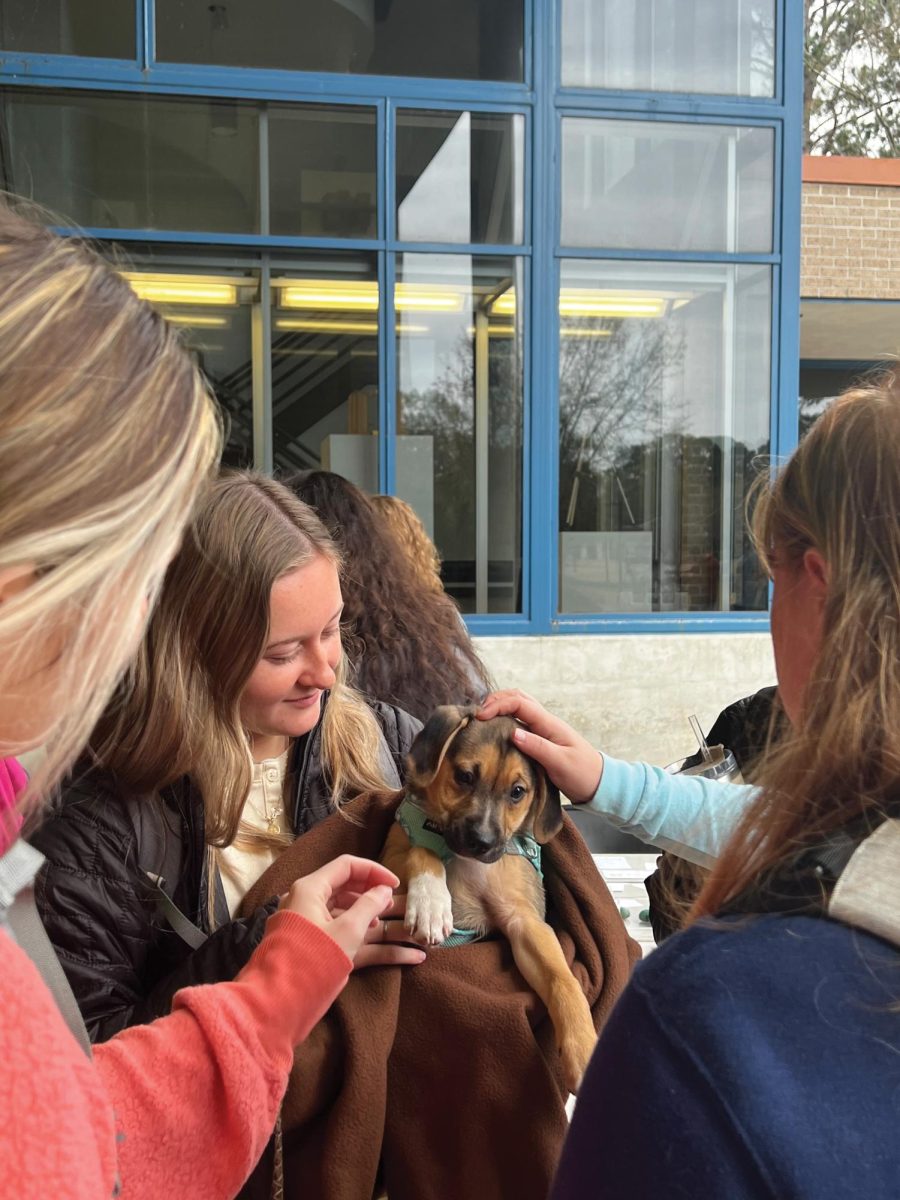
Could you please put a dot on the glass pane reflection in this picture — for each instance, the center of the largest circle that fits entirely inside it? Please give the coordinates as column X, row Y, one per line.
column 451, row 39
column 325, row 366
column 134, row 162
column 212, row 309
column 459, row 177
column 664, row 185
column 664, row 405
column 710, row 46
column 459, row 421
column 322, row 170
column 95, row 28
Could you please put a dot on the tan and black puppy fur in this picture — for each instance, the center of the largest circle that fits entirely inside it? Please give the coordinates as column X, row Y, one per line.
column 478, row 790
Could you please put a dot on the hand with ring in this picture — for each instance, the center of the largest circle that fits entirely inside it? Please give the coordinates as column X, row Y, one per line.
column 386, row 943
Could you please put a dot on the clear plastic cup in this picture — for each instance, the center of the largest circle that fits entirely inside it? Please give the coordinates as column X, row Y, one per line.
column 721, row 766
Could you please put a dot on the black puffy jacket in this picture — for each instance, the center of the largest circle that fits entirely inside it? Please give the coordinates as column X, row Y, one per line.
column 123, row 961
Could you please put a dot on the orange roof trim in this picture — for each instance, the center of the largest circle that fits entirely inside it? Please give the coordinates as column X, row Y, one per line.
column 865, row 172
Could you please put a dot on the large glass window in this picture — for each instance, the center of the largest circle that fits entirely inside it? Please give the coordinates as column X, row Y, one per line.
column 325, row 366
column 95, row 28
column 666, row 186
column 322, row 170
column 459, row 418
column 707, row 46
column 455, row 39
column 460, row 177
column 664, row 405
column 134, row 162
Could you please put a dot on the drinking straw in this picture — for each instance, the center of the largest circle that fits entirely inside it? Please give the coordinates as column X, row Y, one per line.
column 698, row 734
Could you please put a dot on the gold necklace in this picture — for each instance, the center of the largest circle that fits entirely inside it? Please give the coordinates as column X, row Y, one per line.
column 274, row 825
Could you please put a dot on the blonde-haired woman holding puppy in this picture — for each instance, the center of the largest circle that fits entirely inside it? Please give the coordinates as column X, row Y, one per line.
column 234, row 732
column 106, row 435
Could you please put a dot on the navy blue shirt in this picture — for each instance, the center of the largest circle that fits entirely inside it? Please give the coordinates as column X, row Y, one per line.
column 753, row 1058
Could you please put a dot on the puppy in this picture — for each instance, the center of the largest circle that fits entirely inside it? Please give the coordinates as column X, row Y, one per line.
column 466, row 847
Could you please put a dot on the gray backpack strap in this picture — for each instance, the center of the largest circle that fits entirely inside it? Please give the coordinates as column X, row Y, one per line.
column 19, row 914
column 160, row 857
column 168, row 910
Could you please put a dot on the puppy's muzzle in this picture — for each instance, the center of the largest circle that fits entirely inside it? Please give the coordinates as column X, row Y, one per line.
column 476, row 839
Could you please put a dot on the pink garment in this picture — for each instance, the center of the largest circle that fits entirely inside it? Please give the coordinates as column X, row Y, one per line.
column 12, row 782
column 181, row 1108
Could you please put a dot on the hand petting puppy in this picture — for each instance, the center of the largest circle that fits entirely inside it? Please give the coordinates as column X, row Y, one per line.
column 569, row 759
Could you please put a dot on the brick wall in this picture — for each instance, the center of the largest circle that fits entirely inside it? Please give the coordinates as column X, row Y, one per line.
column 850, row 241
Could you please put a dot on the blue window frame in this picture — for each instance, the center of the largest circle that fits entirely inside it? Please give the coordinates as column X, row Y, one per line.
column 542, row 102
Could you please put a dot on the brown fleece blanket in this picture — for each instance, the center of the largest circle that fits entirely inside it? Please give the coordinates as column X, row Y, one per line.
column 440, row 1081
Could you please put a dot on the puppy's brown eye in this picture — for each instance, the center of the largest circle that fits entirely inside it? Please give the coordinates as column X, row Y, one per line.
column 516, row 793
column 463, row 777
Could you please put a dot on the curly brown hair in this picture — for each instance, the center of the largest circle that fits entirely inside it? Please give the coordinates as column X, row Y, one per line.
column 406, row 525
column 407, row 642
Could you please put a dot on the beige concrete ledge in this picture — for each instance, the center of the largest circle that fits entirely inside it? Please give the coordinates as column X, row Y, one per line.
column 632, row 696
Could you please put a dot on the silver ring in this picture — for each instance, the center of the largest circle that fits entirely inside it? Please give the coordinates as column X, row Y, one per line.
column 384, row 936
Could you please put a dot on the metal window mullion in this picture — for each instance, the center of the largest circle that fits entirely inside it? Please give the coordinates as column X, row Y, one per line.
column 729, row 330
column 145, row 33
column 263, row 156
column 482, row 462
column 261, row 359
column 387, row 316
column 542, row 392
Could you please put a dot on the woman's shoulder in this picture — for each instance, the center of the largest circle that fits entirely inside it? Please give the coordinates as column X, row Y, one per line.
column 398, row 726
column 785, row 1027
column 89, row 798
column 98, row 818
column 726, row 975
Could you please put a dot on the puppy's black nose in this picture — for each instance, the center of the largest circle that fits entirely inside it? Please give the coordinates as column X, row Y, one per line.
column 477, row 840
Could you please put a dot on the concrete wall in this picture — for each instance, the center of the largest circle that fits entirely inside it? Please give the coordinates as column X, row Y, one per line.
column 632, row 696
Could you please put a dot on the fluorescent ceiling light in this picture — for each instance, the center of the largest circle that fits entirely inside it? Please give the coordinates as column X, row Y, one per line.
column 604, row 304
column 199, row 321
column 505, row 304
column 584, row 302
column 182, row 289
column 361, row 295
column 312, row 325
column 309, row 325
column 415, row 298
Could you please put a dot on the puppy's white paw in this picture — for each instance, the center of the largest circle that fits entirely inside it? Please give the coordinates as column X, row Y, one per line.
column 429, row 910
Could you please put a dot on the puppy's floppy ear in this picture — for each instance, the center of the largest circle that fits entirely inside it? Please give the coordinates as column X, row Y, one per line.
column 546, row 809
column 433, row 741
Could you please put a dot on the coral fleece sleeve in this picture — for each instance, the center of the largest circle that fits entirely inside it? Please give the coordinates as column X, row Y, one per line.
column 196, row 1093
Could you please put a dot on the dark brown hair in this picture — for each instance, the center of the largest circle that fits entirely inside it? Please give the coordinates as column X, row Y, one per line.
column 408, row 643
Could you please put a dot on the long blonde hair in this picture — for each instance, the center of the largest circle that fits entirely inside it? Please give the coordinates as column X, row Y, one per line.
column 179, row 713
column 106, row 434
column 840, row 495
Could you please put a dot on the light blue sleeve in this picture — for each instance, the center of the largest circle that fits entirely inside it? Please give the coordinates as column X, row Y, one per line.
column 687, row 814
